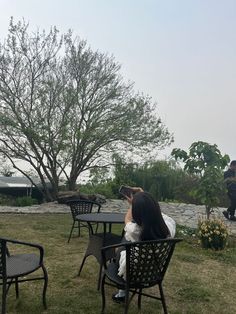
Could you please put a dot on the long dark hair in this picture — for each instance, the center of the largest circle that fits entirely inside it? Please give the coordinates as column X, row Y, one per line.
column 146, row 213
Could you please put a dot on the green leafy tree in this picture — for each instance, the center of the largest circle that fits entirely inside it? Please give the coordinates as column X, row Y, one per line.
column 123, row 172
column 65, row 109
column 207, row 162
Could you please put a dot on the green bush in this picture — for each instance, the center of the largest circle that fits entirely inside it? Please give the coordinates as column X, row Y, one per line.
column 108, row 189
column 25, row 201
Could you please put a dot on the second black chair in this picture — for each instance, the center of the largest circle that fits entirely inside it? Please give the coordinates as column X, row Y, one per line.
column 79, row 207
column 14, row 268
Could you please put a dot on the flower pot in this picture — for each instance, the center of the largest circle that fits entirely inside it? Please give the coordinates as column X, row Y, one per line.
column 205, row 243
column 218, row 243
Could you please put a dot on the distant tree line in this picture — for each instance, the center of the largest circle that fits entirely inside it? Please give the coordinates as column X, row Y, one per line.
column 165, row 180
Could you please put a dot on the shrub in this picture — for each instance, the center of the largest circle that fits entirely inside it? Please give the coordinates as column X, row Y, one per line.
column 213, row 233
column 108, row 189
column 25, row 201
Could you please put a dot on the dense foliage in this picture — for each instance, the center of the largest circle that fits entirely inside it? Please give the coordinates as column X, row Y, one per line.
column 164, row 179
column 20, row 201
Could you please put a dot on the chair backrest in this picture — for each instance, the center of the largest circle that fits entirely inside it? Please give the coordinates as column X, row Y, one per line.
column 3, row 252
column 82, row 207
column 147, row 261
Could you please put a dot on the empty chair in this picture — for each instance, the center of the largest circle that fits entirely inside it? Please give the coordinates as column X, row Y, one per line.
column 79, row 207
column 146, row 264
column 14, row 268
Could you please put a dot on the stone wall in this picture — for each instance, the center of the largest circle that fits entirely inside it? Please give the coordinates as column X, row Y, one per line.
column 183, row 214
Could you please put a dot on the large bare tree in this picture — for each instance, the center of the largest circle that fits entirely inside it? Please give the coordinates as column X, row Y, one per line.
column 65, row 108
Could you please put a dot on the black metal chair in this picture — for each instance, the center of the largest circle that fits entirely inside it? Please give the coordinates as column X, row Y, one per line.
column 15, row 268
column 79, row 207
column 146, row 264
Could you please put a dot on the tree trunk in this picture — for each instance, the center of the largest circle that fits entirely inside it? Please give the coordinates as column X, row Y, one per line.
column 208, row 211
column 72, row 184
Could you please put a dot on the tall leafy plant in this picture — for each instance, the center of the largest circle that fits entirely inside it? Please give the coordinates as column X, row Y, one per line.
column 207, row 162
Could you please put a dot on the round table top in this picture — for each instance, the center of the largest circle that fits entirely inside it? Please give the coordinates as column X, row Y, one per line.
column 102, row 217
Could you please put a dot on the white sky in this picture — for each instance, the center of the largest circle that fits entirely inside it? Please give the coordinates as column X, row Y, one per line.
column 180, row 52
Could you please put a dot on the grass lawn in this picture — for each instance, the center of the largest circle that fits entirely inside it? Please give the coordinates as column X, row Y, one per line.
column 198, row 281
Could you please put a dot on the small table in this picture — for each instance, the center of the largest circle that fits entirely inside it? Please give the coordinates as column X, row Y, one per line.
column 98, row 240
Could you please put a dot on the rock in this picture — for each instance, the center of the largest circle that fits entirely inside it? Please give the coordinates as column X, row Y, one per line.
column 66, row 196
column 101, row 199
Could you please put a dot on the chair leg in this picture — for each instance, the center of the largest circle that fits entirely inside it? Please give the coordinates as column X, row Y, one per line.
column 82, row 264
column 97, row 228
column 103, row 293
column 139, row 298
column 99, row 277
column 163, row 299
column 71, row 232
column 90, row 228
column 78, row 228
column 17, row 287
column 45, row 286
column 4, row 297
column 126, row 301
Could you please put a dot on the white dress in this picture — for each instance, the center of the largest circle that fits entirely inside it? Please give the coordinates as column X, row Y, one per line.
column 132, row 233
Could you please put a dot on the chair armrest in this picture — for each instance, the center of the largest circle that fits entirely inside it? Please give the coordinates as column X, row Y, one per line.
column 34, row 245
column 109, row 247
column 98, row 205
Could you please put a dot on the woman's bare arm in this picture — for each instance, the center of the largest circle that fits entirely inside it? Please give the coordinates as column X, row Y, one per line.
column 128, row 216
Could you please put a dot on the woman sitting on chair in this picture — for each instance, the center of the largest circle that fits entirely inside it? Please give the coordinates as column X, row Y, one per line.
column 143, row 221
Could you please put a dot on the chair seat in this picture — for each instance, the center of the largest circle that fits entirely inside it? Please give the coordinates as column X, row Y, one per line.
column 22, row 264
column 112, row 273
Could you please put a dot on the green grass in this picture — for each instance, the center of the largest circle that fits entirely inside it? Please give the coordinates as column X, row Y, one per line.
column 197, row 281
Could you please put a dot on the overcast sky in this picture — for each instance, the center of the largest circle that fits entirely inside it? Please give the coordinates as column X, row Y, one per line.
column 180, row 52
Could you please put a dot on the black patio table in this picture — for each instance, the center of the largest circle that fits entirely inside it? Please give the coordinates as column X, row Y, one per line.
column 98, row 240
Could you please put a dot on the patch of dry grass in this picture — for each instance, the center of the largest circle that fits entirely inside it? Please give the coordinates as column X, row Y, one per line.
column 197, row 281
